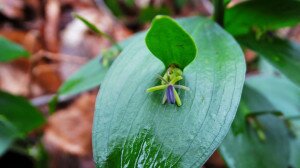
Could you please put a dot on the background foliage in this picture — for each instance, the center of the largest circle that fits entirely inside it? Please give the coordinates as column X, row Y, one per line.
column 131, row 126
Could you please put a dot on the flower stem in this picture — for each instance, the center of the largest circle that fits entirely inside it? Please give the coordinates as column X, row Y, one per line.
column 219, row 10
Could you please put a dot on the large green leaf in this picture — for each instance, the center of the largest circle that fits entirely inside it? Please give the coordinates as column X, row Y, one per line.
column 7, row 134
column 170, row 43
column 132, row 127
column 10, row 51
column 262, row 15
column 20, row 113
column 246, row 150
column 282, row 54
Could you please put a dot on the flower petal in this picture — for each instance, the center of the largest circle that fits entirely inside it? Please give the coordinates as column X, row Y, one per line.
column 170, row 94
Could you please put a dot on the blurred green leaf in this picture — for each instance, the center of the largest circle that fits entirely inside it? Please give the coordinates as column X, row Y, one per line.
column 239, row 123
column 7, row 134
column 180, row 3
column 133, row 129
column 88, row 76
column 20, row 113
column 295, row 145
column 148, row 13
column 129, row 3
column 114, row 7
column 92, row 73
column 265, row 68
column 10, row 50
column 285, row 97
column 170, row 43
column 284, row 55
column 281, row 93
column 246, row 150
column 248, row 104
column 89, row 24
column 226, row 2
column 262, row 15
column 265, row 93
column 95, row 29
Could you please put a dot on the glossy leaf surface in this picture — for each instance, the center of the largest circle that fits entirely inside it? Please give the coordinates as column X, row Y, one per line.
column 132, row 127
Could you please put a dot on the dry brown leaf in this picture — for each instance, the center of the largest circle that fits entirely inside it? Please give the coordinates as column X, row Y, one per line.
column 70, row 129
column 47, row 76
column 28, row 39
column 51, row 27
column 13, row 79
column 12, row 8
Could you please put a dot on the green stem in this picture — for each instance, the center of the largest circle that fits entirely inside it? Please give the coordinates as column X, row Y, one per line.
column 258, row 127
column 219, row 10
column 111, row 40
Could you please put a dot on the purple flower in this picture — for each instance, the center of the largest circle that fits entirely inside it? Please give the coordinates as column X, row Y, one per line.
column 170, row 94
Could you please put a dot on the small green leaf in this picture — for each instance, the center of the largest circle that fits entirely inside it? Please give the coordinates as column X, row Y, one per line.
column 7, row 134
column 20, row 113
column 284, row 55
column 170, row 43
column 133, row 128
column 261, row 15
column 10, row 50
